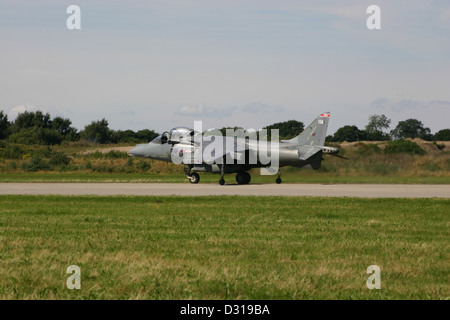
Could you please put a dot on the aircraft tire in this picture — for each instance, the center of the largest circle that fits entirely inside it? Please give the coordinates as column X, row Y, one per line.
column 243, row 178
column 278, row 181
column 195, row 178
column 222, row 182
column 248, row 177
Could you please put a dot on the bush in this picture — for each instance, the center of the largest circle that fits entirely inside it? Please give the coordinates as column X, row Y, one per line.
column 114, row 154
column 95, row 155
column 143, row 166
column 439, row 146
column 384, row 169
column 36, row 163
column 365, row 149
column 12, row 165
column 12, row 151
column 26, row 136
column 442, row 135
column 403, row 146
column 59, row 158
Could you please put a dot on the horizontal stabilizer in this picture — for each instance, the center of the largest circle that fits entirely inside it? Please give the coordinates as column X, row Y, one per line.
column 305, row 152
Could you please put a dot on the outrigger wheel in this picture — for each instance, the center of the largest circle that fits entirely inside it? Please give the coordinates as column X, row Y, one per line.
column 194, row 177
column 278, row 181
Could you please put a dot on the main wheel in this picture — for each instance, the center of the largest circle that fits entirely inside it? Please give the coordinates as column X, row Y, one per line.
column 222, row 182
column 278, row 181
column 243, row 178
column 195, row 178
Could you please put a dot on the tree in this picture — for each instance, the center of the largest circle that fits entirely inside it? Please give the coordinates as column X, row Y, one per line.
column 442, row 135
column 287, row 129
column 129, row 136
column 4, row 125
column 231, row 129
column 32, row 120
column 97, row 131
column 349, row 133
column 63, row 127
column 411, row 128
column 374, row 129
column 146, row 135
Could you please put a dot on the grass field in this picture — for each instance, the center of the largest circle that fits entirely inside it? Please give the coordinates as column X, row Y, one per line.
column 223, row 247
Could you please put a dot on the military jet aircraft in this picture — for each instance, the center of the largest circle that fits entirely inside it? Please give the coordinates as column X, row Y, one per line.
column 234, row 154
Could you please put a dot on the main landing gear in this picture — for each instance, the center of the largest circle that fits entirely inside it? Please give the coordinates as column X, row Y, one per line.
column 243, row 178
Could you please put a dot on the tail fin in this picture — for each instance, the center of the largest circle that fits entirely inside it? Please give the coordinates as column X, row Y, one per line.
column 315, row 133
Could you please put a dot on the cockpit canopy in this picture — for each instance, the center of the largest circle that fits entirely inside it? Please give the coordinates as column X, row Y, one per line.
column 176, row 134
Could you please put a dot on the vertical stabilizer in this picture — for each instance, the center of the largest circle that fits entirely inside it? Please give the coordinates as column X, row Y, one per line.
column 315, row 133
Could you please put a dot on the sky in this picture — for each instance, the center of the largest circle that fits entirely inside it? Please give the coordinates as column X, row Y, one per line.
column 160, row 64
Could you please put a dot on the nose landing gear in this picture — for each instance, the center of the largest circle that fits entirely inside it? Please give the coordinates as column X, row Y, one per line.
column 193, row 177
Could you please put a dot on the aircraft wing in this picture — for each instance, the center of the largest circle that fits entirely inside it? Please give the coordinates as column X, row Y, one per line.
column 220, row 146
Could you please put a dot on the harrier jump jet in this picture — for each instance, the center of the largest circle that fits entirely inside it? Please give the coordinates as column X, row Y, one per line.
column 233, row 154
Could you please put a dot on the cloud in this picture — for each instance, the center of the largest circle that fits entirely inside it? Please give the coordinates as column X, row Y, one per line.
column 439, row 103
column 201, row 111
column 444, row 18
column 14, row 112
column 255, row 107
column 406, row 104
column 218, row 113
column 379, row 103
column 128, row 113
column 258, row 107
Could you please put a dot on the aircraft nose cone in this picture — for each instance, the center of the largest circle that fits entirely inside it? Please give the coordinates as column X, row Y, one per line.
column 136, row 152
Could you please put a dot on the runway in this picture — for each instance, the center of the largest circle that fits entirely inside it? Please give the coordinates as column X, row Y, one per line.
column 186, row 189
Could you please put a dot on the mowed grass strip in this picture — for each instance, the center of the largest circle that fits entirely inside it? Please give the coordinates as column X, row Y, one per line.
column 304, row 176
column 223, row 247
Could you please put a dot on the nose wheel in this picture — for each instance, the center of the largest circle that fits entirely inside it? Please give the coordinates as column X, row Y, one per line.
column 194, row 177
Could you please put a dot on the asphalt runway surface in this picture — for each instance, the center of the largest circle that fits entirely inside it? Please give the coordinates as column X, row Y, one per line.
column 186, row 189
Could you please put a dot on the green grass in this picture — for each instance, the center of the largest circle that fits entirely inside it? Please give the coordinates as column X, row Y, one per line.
column 288, row 177
column 223, row 247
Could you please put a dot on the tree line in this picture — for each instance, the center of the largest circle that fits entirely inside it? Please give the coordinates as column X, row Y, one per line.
column 376, row 130
column 39, row 128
